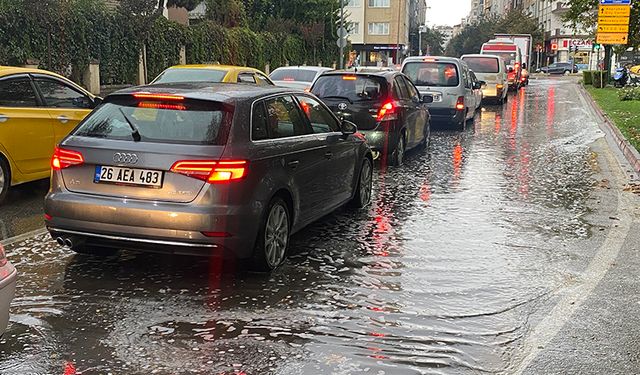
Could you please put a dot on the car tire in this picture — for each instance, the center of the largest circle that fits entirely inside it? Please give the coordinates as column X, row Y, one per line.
column 566, row 72
column 362, row 197
column 424, row 144
column 397, row 156
column 5, row 179
column 273, row 237
column 94, row 250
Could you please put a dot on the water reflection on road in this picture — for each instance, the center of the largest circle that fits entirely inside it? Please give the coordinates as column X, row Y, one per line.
column 438, row 275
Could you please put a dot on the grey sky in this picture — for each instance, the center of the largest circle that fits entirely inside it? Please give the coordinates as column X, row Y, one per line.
column 447, row 12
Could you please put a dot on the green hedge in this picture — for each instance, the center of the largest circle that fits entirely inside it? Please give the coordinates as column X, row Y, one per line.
column 600, row 78
column 587, row 77
column 68, row 35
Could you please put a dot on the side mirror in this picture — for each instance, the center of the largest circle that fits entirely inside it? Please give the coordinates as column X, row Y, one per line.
column 477, row 85
column 524, row 65
column 426, row 99
column 348, row 127
column 510, row 69
column 97, row 101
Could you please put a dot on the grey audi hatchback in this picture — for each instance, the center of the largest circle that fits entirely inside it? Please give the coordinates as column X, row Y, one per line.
column 204, row 169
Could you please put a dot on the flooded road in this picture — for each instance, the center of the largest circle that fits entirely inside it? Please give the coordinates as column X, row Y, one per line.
column 464, row 249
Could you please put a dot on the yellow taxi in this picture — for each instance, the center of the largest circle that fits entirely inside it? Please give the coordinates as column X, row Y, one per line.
column 37, row 109
column 213, row 73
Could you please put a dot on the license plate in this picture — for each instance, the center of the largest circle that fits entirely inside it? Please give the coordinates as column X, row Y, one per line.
column 128, row 176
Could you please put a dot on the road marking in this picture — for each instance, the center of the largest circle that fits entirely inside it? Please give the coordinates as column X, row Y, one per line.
column 23, row 236
column 574, row 297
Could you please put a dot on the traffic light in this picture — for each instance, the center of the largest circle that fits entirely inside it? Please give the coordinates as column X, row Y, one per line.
column 596, row 46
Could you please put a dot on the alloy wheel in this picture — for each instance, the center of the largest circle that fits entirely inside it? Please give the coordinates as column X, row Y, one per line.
column 366, row 181
column 276, row 235
column 2, row 180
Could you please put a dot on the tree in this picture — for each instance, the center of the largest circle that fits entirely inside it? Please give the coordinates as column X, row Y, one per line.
column 432, row 41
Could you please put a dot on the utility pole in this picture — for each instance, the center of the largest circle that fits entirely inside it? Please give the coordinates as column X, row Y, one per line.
column 342, row 28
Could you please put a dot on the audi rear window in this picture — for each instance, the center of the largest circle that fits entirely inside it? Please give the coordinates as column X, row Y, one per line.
column 483, row 64
column 181, row 122
column 355, row 88
column 432, row 73
column 190, row 75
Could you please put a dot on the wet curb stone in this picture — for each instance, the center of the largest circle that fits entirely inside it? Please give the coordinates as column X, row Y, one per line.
column 630, row 153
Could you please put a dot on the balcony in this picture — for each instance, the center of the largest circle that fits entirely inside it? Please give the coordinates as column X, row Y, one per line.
column 559, row 7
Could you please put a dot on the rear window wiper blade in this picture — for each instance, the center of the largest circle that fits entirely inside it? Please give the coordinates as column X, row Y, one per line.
column 338, row 97
column 135, row 132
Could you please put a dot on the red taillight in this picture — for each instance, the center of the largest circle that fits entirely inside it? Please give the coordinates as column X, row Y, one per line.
column 288, row 79
column 65, row 158
column 48, row 217
column 211, row 171
column 349, row 78
column 148, row 95
column 460, row 103
column 387, row 112
column 516, row 66
column 216, row 234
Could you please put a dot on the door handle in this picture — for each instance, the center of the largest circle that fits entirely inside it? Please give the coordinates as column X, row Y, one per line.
column 3, row 118
column 328, row 155
column 293, row 164
column 63, row 119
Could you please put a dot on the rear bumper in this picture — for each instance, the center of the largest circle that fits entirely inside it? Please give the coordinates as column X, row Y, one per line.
column 449, row 115
column 382, row 139
column 492, row 92
column 152, row 226
column 7, row 292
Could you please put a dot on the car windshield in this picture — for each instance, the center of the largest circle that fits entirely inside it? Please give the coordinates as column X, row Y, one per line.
column 184, row 122
column 293, row 75
column 190, row 75
column 483, row 64
column 356, row 88
column 431, row 73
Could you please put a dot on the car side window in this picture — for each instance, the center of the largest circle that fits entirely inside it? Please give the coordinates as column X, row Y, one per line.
column 320, row 118
column 262, row 80
column 246, row 78
column 58, row 95
column 413, row 92
column 401, row 88
column 284, row 118
column 17, row 92
column 467, row 81
column 259, row 122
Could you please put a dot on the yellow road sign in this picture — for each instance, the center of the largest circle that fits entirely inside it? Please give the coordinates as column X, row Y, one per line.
column 612, row 38
column 613, row 20
column 613, row 28
column 614, row 11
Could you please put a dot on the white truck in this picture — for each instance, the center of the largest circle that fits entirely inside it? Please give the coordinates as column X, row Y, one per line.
column 524, row 42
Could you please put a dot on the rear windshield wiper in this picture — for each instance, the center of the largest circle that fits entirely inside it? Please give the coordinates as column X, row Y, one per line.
column 135, row 133
column 338, row 97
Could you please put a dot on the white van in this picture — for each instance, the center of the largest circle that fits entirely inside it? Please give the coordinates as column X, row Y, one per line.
column 493, row 71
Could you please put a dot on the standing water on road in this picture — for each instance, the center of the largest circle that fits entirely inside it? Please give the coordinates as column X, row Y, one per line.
column 439, row 275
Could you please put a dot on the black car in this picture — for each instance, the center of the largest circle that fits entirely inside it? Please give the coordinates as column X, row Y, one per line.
column 204, row 169
column 385, row 105
column 560, row 68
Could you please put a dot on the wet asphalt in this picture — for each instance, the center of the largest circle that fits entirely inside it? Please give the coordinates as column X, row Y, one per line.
column 510, row 247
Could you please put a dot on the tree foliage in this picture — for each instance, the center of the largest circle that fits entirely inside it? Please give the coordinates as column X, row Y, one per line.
column 473, row 35
column 432, row 41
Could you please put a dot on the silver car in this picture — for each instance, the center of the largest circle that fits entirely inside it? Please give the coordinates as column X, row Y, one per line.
column 204, row 169
column 448, row 81
column 297, row 77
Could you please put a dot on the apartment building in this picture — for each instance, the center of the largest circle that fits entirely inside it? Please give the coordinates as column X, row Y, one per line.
column 379, row 29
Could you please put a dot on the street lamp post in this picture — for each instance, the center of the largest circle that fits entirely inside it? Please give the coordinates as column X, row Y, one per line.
column 420, row 31
column 341, row 27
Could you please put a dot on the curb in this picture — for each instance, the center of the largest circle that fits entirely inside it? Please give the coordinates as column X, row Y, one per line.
column 630, row 153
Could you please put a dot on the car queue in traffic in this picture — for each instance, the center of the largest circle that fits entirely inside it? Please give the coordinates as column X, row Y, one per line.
column 218, row 160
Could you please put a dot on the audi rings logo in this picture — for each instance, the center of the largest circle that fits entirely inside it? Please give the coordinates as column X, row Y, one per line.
column 342, row 106
column 125, row 158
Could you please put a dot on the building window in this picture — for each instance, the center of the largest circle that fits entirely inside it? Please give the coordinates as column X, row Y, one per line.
column 379, row 3
column 353, row 3
column 354, row 28
column 379, row 28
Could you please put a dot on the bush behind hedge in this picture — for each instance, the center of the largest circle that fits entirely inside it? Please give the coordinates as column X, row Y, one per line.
column 629, row 93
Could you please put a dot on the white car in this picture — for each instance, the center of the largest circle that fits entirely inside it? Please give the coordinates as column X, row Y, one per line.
column 297, row 77
column 8, row 276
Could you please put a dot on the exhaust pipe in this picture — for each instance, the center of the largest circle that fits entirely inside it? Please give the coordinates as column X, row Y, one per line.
column 68, row 242
column 60, row 241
